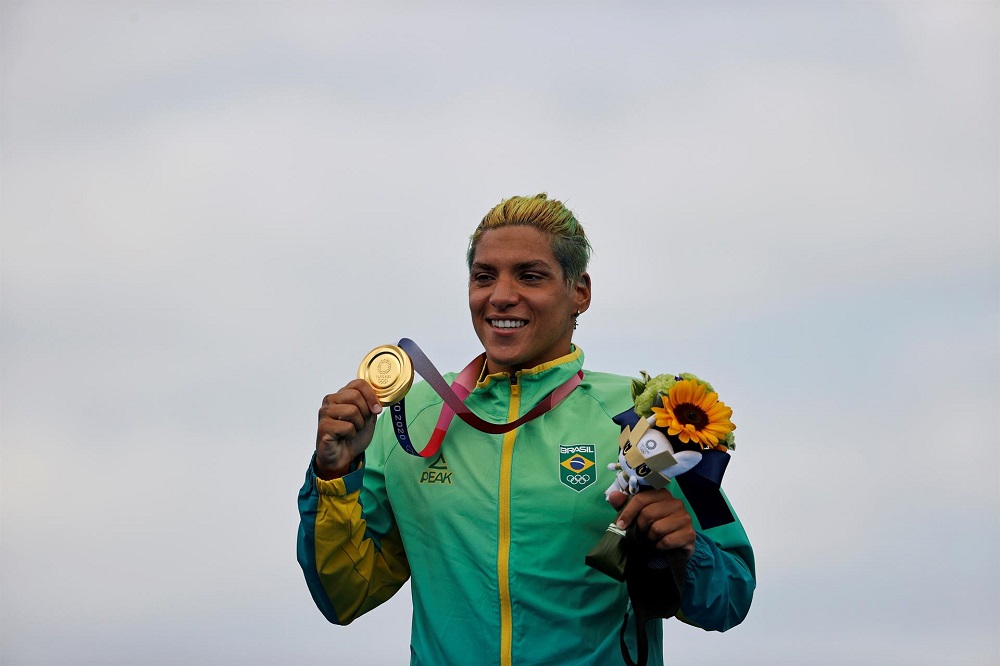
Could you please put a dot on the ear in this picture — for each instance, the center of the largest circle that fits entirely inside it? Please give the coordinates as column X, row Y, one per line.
column 581, row 293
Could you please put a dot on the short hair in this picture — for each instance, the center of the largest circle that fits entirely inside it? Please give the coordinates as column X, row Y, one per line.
column 569, row 242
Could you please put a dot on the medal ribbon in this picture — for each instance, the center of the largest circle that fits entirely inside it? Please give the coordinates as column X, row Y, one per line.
column 454, row 398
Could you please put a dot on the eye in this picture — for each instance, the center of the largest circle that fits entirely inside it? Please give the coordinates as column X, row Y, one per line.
column 531, row 277
column 481, row 278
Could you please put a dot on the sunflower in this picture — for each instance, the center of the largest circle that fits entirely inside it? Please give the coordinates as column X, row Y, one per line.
column 694, row 414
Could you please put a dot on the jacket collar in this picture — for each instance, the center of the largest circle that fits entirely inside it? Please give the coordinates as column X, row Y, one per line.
column 534, row 383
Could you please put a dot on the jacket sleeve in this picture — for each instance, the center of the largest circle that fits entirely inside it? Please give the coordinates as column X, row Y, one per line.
column 349, row 547
column 720, row 578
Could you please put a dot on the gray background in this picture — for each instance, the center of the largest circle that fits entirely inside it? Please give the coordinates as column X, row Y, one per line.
column 211, row 211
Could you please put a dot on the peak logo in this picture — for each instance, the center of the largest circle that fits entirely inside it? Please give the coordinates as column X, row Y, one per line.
column 576, row 466
column 437, row 472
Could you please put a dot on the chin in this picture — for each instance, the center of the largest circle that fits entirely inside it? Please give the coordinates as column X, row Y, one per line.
column 500, row 359
column 503, row 362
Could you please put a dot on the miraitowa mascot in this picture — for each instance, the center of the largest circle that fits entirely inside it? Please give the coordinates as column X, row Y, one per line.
column 679, row 431
column 674, row 420
column 648, row 460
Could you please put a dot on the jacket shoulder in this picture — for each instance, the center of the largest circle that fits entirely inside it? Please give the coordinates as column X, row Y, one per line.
column 606, row 382
column 612, row 392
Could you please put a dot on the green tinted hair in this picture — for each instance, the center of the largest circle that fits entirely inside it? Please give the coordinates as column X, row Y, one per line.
column 569, row 242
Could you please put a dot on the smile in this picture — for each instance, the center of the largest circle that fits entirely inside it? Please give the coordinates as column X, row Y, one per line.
column 506, row 323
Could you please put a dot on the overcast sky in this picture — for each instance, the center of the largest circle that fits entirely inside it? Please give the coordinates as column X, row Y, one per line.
column 212, row 211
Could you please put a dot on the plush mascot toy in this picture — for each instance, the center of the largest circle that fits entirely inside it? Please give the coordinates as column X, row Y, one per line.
column 678, row 428
column 647, row 459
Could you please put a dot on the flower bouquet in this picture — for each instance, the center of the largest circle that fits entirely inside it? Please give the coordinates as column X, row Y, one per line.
column 678, row 425
column 678, row 430
column 687, row 407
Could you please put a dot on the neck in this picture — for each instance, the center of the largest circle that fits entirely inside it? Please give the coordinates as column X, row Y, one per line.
column 492, row 367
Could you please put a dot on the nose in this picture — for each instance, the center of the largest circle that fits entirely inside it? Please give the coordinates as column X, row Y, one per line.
column 504, row 294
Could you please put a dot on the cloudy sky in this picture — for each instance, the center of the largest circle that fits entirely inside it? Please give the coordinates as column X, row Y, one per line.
column 211, row 211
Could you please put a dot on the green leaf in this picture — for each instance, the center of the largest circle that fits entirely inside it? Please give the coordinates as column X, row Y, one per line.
column 637, row 388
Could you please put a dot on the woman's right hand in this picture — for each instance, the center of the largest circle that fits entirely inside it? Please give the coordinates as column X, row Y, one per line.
column 346, row 425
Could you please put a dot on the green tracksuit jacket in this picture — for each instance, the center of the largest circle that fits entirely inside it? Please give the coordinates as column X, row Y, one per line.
column 494, row 530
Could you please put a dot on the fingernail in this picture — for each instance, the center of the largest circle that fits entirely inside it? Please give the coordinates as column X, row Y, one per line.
column 377, row 408
column 621, row 524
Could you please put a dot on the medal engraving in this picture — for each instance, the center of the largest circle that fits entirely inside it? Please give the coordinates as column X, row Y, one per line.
column 389, row 371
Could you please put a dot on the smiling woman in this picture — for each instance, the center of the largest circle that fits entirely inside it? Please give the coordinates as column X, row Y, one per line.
column 527, row 281
column 523, row 306
column 514, row 512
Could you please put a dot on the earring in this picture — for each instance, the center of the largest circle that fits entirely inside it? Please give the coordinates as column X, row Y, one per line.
column 576, row 319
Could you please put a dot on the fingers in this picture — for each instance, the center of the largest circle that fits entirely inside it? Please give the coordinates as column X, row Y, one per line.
column 662, row 518
column 346, row 422
column 366, row 390
column 358, row 393
column 674, row 531
column 637, row 503
column 348, row 410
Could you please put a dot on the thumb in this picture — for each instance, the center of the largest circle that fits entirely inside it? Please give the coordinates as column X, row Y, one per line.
column 617, row 499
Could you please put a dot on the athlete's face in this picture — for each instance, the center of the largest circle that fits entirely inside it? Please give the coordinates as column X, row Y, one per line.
column 522, row 307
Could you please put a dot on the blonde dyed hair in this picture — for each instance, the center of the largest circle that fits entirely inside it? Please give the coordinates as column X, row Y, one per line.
column 569, row 242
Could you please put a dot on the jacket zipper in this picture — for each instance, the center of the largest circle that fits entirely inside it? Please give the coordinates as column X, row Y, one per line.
column 503, row 554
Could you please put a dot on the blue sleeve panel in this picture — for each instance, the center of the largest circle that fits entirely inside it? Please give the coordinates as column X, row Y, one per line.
column 720, row 582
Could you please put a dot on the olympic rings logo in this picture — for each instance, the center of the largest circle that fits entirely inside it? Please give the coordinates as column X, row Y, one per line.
column 577, row 479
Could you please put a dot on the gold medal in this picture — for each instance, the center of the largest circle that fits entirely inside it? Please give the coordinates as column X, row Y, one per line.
column 389, row 371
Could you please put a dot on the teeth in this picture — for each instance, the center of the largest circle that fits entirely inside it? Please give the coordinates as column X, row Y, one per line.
column 506, row 323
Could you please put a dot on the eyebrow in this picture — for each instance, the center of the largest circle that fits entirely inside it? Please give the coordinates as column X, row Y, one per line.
column 535, row 264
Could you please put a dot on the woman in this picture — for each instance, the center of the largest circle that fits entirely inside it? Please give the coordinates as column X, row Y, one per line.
column 495, row 528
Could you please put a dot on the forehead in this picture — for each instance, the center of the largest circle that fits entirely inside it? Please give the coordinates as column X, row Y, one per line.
column 514, row 245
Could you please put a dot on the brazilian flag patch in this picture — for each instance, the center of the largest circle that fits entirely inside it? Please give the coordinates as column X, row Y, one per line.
column 576, row 465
